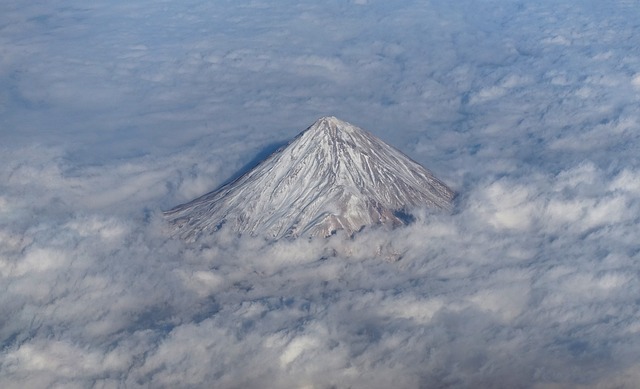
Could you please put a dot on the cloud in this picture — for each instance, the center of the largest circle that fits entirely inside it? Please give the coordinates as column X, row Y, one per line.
column 111, row 114
column 99, row 299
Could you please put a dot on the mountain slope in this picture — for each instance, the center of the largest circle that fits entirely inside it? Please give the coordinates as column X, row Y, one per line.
column 332, row 176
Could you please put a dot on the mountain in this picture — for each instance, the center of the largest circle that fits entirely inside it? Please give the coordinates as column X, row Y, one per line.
column 332, row 176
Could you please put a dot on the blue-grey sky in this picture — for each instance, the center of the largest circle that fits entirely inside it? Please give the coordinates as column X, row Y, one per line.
column 113, row 111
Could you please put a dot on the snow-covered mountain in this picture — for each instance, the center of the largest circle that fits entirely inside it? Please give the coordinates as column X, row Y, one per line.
column 332, row 176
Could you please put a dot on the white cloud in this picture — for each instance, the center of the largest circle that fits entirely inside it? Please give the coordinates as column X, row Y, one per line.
column 112, row 113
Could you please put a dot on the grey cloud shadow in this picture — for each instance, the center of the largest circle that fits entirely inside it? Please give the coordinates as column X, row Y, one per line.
column 265, row 152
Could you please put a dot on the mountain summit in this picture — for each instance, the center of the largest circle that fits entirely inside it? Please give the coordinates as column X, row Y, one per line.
column 332, row 176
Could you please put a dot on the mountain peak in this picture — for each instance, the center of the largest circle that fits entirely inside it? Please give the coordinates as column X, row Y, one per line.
column 330, row 126
column 330, row 121
column 332, row 176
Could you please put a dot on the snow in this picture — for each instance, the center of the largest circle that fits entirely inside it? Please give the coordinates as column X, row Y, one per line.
column 332, row 176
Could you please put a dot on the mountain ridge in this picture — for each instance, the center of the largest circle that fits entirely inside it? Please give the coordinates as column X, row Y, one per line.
column 332, row 176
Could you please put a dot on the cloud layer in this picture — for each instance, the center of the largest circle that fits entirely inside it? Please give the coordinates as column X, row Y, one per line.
column 111, row 112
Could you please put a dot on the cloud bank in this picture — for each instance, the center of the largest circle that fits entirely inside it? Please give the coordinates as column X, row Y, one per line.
column 113, row 112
